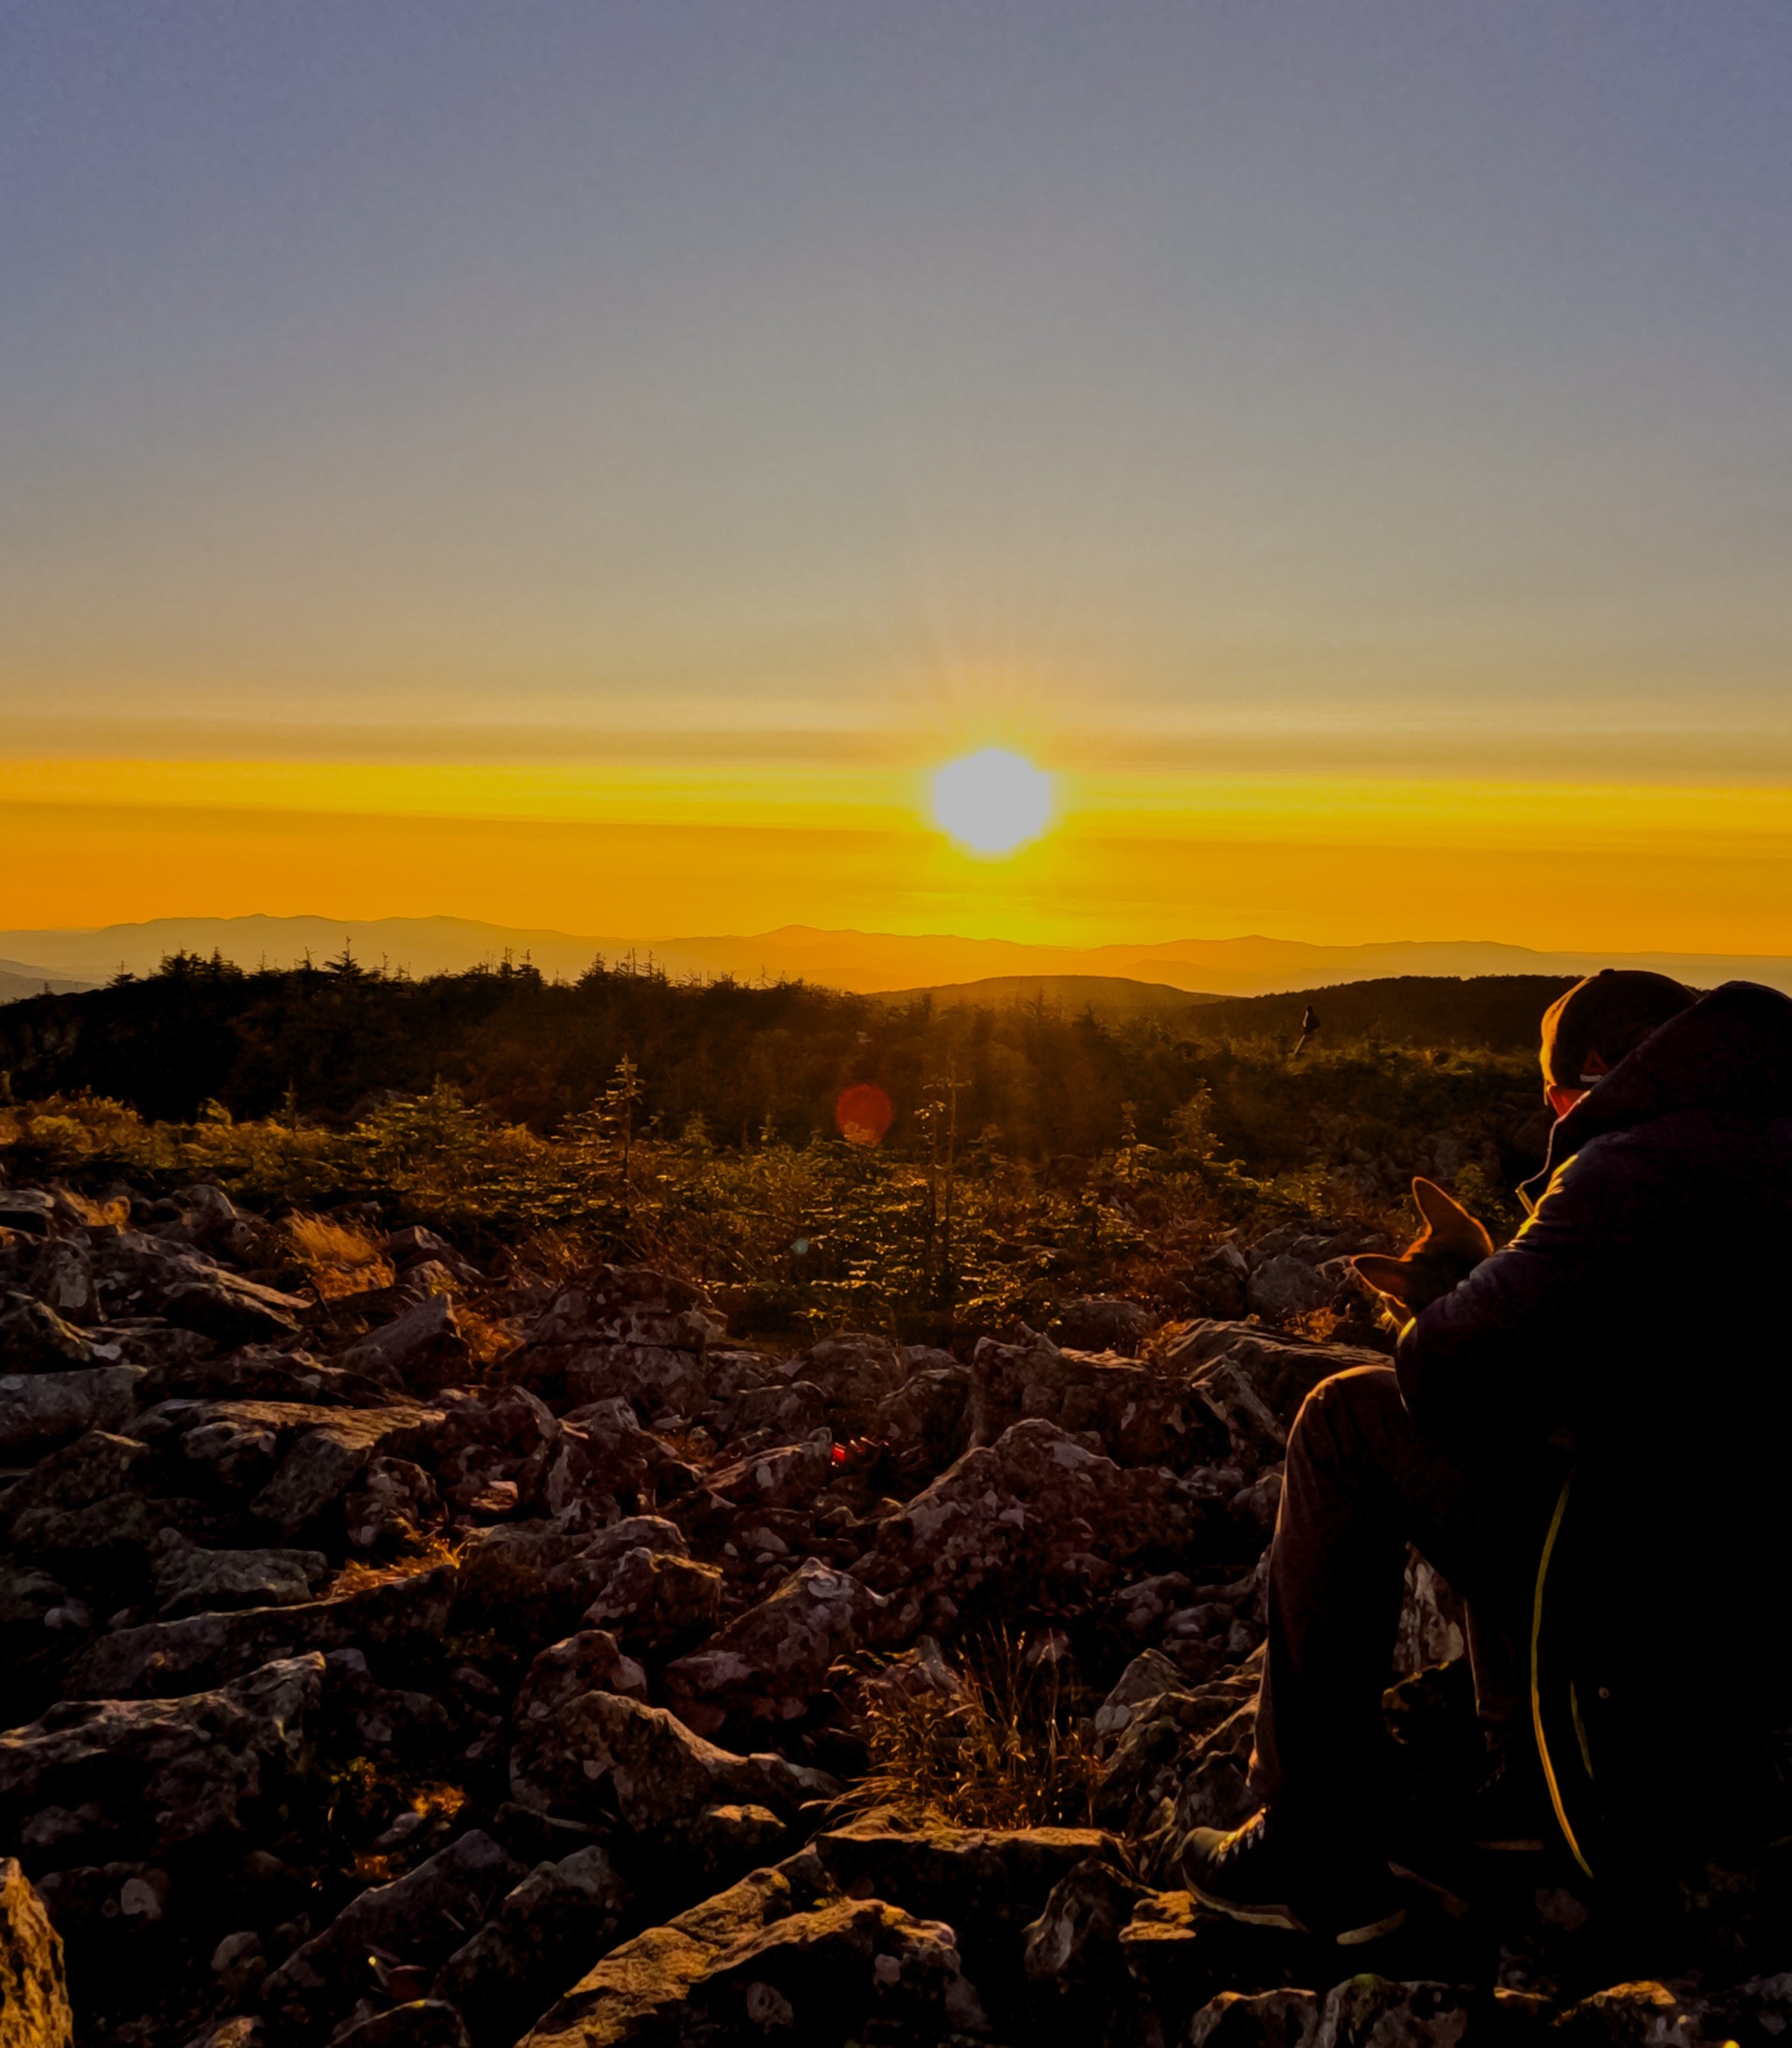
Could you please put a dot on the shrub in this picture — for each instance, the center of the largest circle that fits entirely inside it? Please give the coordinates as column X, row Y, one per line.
column 1008, row 1749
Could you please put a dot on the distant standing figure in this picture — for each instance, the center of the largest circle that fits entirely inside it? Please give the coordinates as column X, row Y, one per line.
column 1309, row 1024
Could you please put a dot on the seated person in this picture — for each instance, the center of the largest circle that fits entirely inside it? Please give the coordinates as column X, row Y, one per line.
column 1627, row 1332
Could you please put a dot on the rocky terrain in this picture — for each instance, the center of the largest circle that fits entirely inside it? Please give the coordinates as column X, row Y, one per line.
column 463, row 1658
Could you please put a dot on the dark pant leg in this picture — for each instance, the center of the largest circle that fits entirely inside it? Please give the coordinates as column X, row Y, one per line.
column 1361, row 1484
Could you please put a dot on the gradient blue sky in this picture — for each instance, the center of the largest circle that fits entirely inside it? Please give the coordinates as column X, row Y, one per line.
column 1248, row 384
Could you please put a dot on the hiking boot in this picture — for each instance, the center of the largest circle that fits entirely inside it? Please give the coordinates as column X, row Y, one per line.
column 1311, row 1881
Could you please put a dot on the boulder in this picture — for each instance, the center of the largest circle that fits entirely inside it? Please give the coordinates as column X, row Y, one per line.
column 1289, row 1285
column 1363, row 2012
column 990, row 1883
column 414, row 1246
column 925, row 1420
column 140, row 1777
column 96, row 1467
column 604, row 1450
column 395, row 1500
column 62, row 1278
column 599, row 1753
column 33, row 1993
column 421, row 1352
column 326, row 1460
column 232, row 1311
column 204, row 1207
column 1001, row 1375
column 193, row 1581
column 37, row 1409
column 847, row 1964
column 854, row 1372
column 787, row 1475
column 241, row 2030
column 580, row 1572
column 611, row 1306
column 781, row 1953
column 656, row 1602
column 28, row 1599
column 1036, row 1503
column 1149, row 1677
column 653, row 1377
column 542, row 1936
column 1105, row 1322
column 790, row 1411
column 1258, row 2019
column 591, row 1661
column 35, row 1339
column 417, row 1920
column 766, row 1666
column 27, row 1210
column 253, row 1373
column 1181, row 1752
column 1677, row 2014
column 1280, row 1373
column 1141, row 1415
column 726, row 1841
column 163, row 1657
column 1072, row 1955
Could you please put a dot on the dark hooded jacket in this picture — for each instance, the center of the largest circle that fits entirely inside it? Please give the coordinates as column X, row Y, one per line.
column 1642, row 1317
column 1644, row 1309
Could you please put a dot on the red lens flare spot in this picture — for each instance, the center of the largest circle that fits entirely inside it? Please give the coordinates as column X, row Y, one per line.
column 864, row 1114
column 839, row 1454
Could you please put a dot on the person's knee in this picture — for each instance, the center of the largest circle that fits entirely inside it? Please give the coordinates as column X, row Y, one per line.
column 1340, row 1408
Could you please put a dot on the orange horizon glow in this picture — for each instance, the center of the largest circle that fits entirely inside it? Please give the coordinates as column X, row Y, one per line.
column 1134, row 857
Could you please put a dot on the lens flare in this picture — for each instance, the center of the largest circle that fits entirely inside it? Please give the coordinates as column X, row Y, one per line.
column 992, row 802
column 863, row 1113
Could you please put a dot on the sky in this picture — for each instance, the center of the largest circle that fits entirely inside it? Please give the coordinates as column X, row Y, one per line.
column 587, row 465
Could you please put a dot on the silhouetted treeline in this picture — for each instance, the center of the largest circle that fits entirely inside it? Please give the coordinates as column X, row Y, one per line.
column 316, row 1042
column 1500, row 1011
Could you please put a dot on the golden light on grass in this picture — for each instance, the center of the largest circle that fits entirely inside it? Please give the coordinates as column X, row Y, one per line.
column 992, row 802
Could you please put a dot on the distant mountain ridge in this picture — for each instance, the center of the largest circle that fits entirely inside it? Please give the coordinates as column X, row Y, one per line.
column 866, row 962
column 19, row 977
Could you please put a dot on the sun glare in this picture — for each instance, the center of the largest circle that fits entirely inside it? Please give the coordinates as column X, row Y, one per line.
column 992, row 802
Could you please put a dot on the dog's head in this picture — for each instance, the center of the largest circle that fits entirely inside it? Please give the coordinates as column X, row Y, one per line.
column 1447, row 1250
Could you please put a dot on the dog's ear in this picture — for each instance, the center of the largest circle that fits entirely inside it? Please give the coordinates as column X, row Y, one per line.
column 1447, row 1222
column 1387, row 1276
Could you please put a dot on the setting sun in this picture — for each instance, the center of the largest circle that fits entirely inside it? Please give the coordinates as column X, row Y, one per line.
column 992, row 802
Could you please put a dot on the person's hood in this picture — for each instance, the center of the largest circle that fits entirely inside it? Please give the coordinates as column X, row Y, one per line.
column 1731, row 1051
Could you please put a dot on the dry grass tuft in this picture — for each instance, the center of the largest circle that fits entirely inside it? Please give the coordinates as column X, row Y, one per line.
column 1008, row 1749
column 358, row 1575
column 1316, row 1324
column 341, row 1258
column 489, row 1340
column 559, row 1254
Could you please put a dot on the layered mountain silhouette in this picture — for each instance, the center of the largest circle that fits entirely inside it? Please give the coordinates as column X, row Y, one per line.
column 867, row 963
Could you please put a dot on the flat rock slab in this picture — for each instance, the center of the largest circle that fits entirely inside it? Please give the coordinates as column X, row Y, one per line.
column 135, row 1778
column 214, row 1582
column 782, row 1955
column 969, row 1876
column 162, row 1658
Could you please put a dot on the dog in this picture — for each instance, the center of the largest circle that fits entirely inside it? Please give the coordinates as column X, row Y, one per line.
column 1451, row 1246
